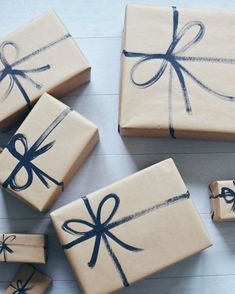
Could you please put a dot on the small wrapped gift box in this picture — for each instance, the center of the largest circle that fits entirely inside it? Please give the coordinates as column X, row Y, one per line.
column 40, row 57
column 222, row 199
column 46, row 151
column 29, row 280
column 177, row 73
column 130, row 229
column 28, row 248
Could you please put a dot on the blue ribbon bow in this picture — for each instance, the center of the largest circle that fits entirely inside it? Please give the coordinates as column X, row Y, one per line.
column 228, row 195
column 22, row 287
column 29, row 154
column 15, row 74
column 172, row 57
column 5, row 246
column 101, row 230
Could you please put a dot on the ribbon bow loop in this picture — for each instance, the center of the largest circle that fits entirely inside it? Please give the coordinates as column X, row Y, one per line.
column 179, row 38
column 21, row 288
column 229, row 196
column 103, row 203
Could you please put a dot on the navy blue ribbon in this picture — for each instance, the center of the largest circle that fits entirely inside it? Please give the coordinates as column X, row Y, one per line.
column 29, row 154
column 101, row 230
column 14, row 74
column 172, row 57
column 5, row 245
column 22, row 287
column 228, row 195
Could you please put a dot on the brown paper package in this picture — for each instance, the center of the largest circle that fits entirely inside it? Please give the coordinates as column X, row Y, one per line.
column 130, row 229
column 180, row 85
column 27, row 248
column 39, row 57
column 31, row 280
column 222, row 200
column 46, row 151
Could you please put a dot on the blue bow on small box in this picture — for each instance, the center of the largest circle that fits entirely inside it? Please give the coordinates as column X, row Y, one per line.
column 173, row 58
column 101, row 230
column 5, row 245
column 11, row 70
column 22, row 287
column 29, row 154
column 228, row 195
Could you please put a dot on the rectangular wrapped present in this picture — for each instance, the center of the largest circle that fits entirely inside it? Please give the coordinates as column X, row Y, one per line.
column 177, row 73
column 130, row 229
column 46, row 151
column 28, row 248
column 28, row 280
column 39, row 57
column 222, row 200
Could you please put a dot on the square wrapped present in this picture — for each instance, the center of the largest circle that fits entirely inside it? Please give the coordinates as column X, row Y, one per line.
column 39, row 57
column 46, row 151
column 130, row 229
column 222, row 200
column 29, row 280
column 177, row 73
column 28, row 248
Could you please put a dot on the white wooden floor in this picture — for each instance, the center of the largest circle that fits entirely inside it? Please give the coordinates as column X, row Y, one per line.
column 97, row 25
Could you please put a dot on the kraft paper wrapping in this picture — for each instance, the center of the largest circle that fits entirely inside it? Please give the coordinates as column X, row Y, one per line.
column 177, row 73
column 222, row 199
column 29, row 280
column 46, row 151
column 28, row 248
column 39, row 57
column 130, row 229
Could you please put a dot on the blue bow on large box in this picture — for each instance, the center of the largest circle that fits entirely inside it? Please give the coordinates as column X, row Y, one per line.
column 100, row 228
column 173, row 58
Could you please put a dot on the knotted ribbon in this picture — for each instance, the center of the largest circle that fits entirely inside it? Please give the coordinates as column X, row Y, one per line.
column 228, row 195
column 29, row 154
column 11, row 70
column 22, row 287
column 5, row 246
column 101, row 230
column 172, row 58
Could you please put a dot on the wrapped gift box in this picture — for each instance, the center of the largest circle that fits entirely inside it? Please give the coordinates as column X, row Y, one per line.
column 46, row 151
column 39, row 57
column 222, row 199
column 177, row 73
column 130, row 229
column 27, row 280
column 28, row 248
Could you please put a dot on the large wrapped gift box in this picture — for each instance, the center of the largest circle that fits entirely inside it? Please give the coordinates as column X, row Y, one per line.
column 222, row 200
column 39, row 57
column 46, row 151
column 177, row 73
column 28, row 248
column 27, row 280
column 130, row 229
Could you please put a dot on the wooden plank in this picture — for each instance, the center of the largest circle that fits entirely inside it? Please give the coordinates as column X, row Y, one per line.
column 88, row 18
column 192, row 285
